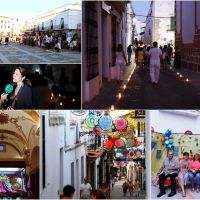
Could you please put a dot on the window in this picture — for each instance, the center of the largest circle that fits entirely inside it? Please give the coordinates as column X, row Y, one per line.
column 91, row 19
column 2, row 147
column 1, row 21
column 114, row 37
column 149, row 31
column 77, row 135
column 82, row 169
column 5, row 27
column 5, row 22
column 8, row 27
column 43, row 152
column 42, row 25
column 9, row 22
column 172, row 24
column 62, row 23
column 72, row 174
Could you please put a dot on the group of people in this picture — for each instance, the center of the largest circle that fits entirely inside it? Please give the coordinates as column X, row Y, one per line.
column 149, row 57
column 188, row 170
column 50, row 40
column 130, row 187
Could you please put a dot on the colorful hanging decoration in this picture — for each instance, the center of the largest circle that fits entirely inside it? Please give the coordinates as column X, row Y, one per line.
column 98, row 112
column 131, row 153
column 138, row 152
column 91, row 120
column 188, row 132
column 105, row 122
column 162, row 139
column 120, row 123
column 130, row 143
column 119, row 143
column 171, row 136
column 125, row 153
column 129, row 134
column 152, row 129
column 108, row 144
column 168, row 133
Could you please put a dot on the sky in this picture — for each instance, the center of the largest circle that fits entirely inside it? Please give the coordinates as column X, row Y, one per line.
column 141, row 8
column 25, row 10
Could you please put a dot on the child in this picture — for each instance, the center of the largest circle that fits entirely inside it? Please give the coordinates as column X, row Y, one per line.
column 163, row 60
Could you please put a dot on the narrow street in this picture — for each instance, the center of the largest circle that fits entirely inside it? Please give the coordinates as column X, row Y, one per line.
column 171, row 92
column 117, row 193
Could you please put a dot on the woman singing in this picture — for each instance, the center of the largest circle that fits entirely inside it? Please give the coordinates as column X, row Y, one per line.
column 21, row 97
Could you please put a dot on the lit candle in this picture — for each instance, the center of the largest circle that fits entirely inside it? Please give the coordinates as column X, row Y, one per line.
column 60, row 103
column 59, row 95
column 73, row 99
column 186, row 79
column 181, row 75
column 51, row 98
column 112, row 107
column 119, row 95
column 124, row 86
column 177, row 73
column 52, row 94
column 128, row 79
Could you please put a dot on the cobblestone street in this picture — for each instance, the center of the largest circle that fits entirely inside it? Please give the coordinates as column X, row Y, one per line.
column 171, row 92
column 13, row 53
column 117, row 192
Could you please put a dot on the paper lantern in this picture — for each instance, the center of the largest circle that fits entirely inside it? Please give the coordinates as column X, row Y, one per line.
column 171, row 136
column 179, row 137
column 120, row 123
column 108, row 144
column 91, row 120
column 130, row 143
column 105, row 122
column 182, row 148
column 166, row 138
column 131, row 153
column 169, row 146
column 125, row 153
column 171, row 141
column 162, row 139
column 167, row 142
column 119, row 143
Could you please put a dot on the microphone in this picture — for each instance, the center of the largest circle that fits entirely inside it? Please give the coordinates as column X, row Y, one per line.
column 8, row 89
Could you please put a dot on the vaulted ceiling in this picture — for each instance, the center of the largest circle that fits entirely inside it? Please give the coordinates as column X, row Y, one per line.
column 17, row 127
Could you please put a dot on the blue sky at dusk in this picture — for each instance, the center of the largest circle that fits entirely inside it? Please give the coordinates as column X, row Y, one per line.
column 141, row 8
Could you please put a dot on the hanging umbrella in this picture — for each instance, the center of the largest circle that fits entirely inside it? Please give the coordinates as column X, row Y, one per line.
column 119, row 143
column 91, row 120
column 105, row 122
column 120, row 123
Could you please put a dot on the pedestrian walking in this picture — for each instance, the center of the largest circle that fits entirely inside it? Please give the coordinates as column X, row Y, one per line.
column 155, row 54
column 120, row 57
column 129, row 51
column 51, row 41
column 68, row 192
column 130, row 188
column 125, row 187
column 105, row 190
column 163, row 59
column 140, row 58
column 169, row 52
column 177, row 58
column 113, row 183
column 59, row 39
column 86, row 190
column 147, row 59
column 137, row 187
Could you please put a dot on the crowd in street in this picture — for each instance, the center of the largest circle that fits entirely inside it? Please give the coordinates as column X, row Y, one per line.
column 148, row 57
column 48, row 41
column 86, row 191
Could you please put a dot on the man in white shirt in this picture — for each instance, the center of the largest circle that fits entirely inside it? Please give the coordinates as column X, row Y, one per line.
column 155, row 54
column 86, row 190
column 57, row 46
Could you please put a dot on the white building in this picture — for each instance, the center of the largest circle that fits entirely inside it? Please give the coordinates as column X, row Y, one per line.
column 6, row 26
column 179, row 121
column 105, row 25
column 138, row 27
column 63, row 153
column 160, row 23
column 63, row 18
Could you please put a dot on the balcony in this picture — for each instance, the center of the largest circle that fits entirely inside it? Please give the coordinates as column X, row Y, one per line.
column 53, row 27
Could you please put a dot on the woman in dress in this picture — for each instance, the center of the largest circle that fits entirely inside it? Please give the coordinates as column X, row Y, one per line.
column 21, row 96
column 140, row 57
column 105, row 190
column 130, row 188
column 194, row 168
column 59, row 39
column 183, row 173
column 120, row 58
